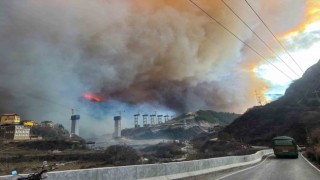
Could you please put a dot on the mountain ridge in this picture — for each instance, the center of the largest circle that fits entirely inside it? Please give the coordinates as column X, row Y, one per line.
column 295, row 114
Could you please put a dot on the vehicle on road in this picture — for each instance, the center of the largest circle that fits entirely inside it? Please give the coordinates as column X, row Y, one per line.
column 284, row 146
column 301, row 147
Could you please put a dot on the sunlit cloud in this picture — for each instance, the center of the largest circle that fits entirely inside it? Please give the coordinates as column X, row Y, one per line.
column 304, row 47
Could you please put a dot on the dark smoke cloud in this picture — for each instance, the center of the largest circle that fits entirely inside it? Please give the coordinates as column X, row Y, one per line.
column 159, row 54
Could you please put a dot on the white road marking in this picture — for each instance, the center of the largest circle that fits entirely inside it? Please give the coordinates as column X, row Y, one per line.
column 245, row 169
column 310, row 163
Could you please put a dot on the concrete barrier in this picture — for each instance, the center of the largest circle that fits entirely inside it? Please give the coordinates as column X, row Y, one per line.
column 174, row 170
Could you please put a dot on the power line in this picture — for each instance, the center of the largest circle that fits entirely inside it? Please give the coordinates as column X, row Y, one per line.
column 274, row 36
column 240, row 39
column 259, row 38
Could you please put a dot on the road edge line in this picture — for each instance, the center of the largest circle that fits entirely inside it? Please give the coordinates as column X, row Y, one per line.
column 310, row 163
column 245, row 169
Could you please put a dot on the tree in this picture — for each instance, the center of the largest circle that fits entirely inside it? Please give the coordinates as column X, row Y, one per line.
column 56, row 133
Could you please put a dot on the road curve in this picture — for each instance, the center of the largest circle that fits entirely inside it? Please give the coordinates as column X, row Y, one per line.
column 277, row 169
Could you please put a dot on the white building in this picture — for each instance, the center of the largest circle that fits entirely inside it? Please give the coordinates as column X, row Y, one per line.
column 14, row 132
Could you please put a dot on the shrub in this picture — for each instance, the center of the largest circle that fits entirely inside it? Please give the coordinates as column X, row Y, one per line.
column 121, row 155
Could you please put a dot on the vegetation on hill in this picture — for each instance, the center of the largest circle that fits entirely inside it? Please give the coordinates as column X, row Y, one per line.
column 217, row 148
column 222, row 118
column 56, row 137
column 165, row 133
column 313, row 151
column 58, row 132
column 295, row 114
column 163, row 152
column 119, row 155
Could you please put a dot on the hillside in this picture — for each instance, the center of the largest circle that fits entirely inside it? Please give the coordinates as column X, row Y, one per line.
column 185, row 126
column 162, row 132
column 295, row 114
column 222, row 118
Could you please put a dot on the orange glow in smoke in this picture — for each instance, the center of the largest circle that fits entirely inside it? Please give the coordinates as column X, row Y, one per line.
column 92, row 97
column 312, row 15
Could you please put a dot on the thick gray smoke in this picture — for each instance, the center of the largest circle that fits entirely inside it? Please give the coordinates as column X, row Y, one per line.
column 153, row 54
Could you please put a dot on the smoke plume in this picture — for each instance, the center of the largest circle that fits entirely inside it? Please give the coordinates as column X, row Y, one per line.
column 156, row 54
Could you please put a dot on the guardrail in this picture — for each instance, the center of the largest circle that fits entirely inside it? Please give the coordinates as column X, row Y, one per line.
column 174, row 170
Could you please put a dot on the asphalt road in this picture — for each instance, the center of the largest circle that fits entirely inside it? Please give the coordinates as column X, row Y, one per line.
column 277, row 169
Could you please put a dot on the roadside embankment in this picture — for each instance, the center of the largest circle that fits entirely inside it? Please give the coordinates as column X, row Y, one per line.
column 174, row 170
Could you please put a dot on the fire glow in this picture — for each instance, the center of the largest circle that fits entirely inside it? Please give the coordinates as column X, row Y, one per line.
column 92, row 97
column 312, row 15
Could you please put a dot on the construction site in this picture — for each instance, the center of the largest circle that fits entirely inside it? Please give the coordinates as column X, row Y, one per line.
column 156, row 126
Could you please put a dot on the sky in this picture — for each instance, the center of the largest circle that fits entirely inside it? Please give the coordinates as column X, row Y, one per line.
column 305, row 55
column 155, row 56
column 271, row 75
column 302, row 43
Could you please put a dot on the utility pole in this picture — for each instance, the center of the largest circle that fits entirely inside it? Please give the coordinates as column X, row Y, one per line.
column 258, row 98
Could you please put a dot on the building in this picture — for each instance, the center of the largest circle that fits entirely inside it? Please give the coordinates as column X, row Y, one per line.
column 47, row 124
column 29, row 123
column 14, row 132
column 10, row 119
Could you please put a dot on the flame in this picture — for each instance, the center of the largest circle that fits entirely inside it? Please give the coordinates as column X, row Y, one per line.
column 92, row 97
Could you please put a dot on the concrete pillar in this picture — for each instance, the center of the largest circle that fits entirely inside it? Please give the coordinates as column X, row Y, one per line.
column 75, row 125
column 117, row 127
